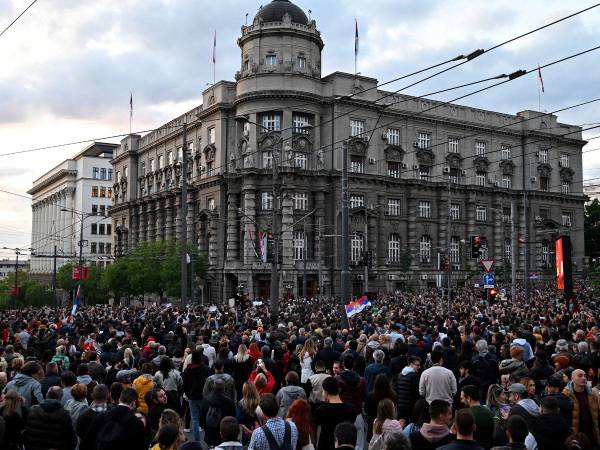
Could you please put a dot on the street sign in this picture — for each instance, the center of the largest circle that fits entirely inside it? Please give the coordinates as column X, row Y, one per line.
column 487, row 264
column 488, row 280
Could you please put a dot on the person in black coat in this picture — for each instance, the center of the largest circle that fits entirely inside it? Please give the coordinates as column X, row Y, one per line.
column 327, row 354
column 194, row 377
column 52, row 378
column 216, row 399
column 406, row 386
column 550, row 429
column 48, row 422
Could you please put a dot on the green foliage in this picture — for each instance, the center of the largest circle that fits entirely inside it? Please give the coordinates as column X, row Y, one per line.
column 592, row 229
column 32, row 293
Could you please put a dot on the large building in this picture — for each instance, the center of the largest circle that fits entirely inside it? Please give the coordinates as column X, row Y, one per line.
column 424, row 176
column 8, row 266
column 78, row 187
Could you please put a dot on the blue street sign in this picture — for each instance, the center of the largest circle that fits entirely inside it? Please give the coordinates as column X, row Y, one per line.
column 488, row 280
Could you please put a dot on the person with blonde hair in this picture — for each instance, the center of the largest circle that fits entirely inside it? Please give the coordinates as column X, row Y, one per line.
column 241, row 367
column 61, row 360
column 307, row 356
column 246, row 411
column 172, row 418
column 14, row 413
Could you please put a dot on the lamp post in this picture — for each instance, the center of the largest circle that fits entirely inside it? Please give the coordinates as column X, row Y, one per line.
column 82, row 215
column 17, row 251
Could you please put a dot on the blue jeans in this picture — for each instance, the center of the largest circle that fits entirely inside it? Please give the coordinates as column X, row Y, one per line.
column 195, row 419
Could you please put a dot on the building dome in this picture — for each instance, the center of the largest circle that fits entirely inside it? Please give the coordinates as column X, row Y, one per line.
column 275, row 11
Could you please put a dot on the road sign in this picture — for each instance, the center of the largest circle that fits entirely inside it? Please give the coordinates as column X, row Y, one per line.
column 487, row 264
column 488, row 280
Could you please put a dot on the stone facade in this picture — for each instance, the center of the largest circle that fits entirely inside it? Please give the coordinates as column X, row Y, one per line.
column 413, row 163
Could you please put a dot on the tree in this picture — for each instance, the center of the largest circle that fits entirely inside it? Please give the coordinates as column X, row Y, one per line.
column 592, row 229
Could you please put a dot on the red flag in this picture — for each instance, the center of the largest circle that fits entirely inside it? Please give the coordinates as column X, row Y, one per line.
column 540, row 77
column 214, row 55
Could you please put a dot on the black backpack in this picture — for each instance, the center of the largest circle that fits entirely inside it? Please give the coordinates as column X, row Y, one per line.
column 110, row 435
column 213, row 417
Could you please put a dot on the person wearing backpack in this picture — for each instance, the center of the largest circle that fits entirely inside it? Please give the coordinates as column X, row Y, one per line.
column 215, row 405
column 276, row 433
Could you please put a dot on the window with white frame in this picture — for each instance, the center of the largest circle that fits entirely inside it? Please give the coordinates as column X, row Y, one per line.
column 424, row 140
column 300, row 201
column 152, row 166
column 170, row 158
column 507, row 249
column 356, row 247
column 506, row 214
column 424, row 173
column 103, row 174
column 481, row 213
column 271, row 122
column 564, row 160
column 566, row 187
column 300, row 160
column 394, row 207
column 566, row 219
column 454, row 175
column 455, row 250
column 424, row 209
column 543, row 156
column 357, row 127
column 357, row 201
column 180, row 154
column 393, row 136
column 544, row 184
column 211, row 204
column 210, row 171
column 455, row 211
column 267, row 201
column 161, row 162
column 480, row 178
column 394, row 169
column 109, row 174
column 505, row 152
column 394, row 248
column 545, row 254
column 95, row 173
column 507, row 181
column 211, row 135
column 453, row 145
column 271, row 60
column 301, row 123
column 143, row 169
column 298, row 239
column 301, row 62
column 357, row 164
column 479, row 148
column 425, row 249
column 267, row 160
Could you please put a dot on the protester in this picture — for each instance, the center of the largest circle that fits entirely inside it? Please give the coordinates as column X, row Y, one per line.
column 276, row 432
column 437, row 382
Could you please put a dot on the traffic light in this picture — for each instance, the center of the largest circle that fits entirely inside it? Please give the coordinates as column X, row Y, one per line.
column 475, row 246
column 492, row 295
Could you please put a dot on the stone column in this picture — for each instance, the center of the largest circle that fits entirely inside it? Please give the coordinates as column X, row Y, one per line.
column 319, row 216
column 413, row 239
column 191, row 214
column 151, row 221
column 471, row 228
column 142, row 223
column 134, row 220
column 232, row 251
column 498, row 243
column 287, row 233
column 70, row 226
column 178, row 218
column 160, row 223
column 249, row 230
column 213, row 245
column 169, row 226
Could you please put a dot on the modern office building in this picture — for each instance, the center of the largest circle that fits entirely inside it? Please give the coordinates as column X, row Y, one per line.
column 425, row 176
column 78, row 187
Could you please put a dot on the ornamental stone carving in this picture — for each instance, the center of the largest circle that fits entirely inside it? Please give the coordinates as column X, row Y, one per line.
column 425, row 156
column 302, row 143
column 268, row 141
column 210, row 152
column 357, row 146
column 453, row 160
column 544, row 169
column 566, row 174
column 481, row 164
column 394, row 153
column 507, row 167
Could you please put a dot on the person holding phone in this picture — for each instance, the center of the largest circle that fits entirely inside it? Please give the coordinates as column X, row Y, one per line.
column 262, row 378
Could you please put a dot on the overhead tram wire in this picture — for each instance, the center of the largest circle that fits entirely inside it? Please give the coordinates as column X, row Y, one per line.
column 17, row 18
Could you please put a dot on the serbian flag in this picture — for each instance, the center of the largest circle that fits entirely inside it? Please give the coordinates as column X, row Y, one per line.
column 214, row 54
column 356, row 41
column 130, row 104
column 76, row 300
column 540, row 77
column 357, row 306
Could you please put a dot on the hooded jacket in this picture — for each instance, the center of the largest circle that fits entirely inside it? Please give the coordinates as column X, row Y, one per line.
column 406, row 386
column 592, row 402
column 527, row 409
column 27, row 387
column 430, row 437
column 515, row 367
column 286, row 396
column 142, row 385
column 194, row 378
column 353, row 389
column 49, row 422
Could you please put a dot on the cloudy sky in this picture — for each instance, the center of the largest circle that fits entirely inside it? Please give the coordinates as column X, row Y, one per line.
column 68, row 66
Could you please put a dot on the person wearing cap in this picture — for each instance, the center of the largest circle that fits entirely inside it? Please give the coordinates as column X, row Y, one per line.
column 585, row 406
column 521, row 405
column 554, row 388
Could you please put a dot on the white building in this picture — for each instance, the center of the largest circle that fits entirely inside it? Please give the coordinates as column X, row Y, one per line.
column 82, row 184
column 7, row 266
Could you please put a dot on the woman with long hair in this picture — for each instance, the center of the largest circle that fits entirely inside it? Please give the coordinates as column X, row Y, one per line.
column 307, row 355
column 299, row 413
column 14, row 413
column 385, row 422
column 254, row 352
column 129, row 358
column 420, row 415
column 381, row 389
column 246, row 411
column 61, row 359
column 170, row 380
column 170, row 417
column 242, row 367
column 496, row 403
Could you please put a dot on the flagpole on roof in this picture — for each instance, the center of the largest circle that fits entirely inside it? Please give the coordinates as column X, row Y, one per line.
column 130, row 109
column 214, row 58
column 356, row 46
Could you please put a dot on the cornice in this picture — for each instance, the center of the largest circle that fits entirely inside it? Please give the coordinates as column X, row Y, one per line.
column 122, row 156
column 51, row 179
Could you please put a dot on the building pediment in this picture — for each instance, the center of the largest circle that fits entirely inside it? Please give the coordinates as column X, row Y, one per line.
column 453, row 160
column 507, row 167
column 544, row 169
column 481, row 164
column 566, row 174
column 425, row 156
column 394, row 153
column 210, row 152
column 357, row 146
column 270, row 140
column 302, row 143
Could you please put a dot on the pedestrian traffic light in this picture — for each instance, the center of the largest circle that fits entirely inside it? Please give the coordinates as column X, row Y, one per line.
column 475, row 246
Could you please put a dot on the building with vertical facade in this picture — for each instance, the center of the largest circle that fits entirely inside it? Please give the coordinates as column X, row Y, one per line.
column 425, row 176
column 8, row 266
column 82, row 184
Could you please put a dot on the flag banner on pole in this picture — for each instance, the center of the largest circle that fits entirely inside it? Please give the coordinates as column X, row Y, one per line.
column 214, row 54
column 357, row 306
column 130, row 104
column 262, row 243
column 356, row 40
column 540, row 77
column 76, row 300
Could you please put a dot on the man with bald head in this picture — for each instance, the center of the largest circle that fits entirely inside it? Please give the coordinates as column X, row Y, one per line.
column 585, row 406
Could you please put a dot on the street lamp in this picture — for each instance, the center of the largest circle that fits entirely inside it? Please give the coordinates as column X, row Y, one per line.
column 82, row 215
column 17, row 251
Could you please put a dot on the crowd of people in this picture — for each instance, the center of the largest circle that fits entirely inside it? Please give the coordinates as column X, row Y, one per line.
column 413, row 371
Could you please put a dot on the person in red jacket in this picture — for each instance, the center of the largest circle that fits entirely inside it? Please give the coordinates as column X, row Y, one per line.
column 262, row 378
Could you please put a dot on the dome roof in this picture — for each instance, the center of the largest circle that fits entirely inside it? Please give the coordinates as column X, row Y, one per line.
column 275, row 11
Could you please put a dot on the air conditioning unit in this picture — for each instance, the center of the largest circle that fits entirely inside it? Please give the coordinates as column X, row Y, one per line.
column 360, row 277
column 496, row 183
column 463, row 173
column 456, row 267
column 387, row 262
column 537, row 154
column 384, row 136
column 371, row 161
column 416, row 145
column 533, row 179
column 424, row 276
column 446, row 169
column 391, row 277
column 560, row 164
column 404, row 166
column 416, row 167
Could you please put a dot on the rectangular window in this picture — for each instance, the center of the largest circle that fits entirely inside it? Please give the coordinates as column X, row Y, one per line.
column 393, row 136
column 300, row 201
column 101, row 248
column 179, row 153
column 210, row 203
column 210, row 171
column 544, row 184
column 394, row 207
column 271, row 60
column 143, row 169
column 453, row 145
column 424, row 140
column 246, row 65
column 152, row 166
column 271, row 122
column 506, row 214
column 507, row 249
column 118, row 176
column 94, row 210
column 394, row 169
column 108, row 229
column 298, row 239
column 101, row 229
column 125, row 172
column 107, row 248
column 212, row 138
column 543, row 156
column 103, row 174
column 455, row 250
column 566, row 219
column 455, row 211
column 267, row 201
column 101, row 210
column 301, row 123
column 424, row 209
column 93, row 246
column 479, row 148
column 481, row 213
column 300, row 160
column 424, row 173
column 425, row 249
column 566, row 187
column 267, row 160
column 356, row 247
column 95, row 173
column 357, row 128
column 169, row 158
column 94, row 228
column 109, row 193
column 505, row 152
column 109, row 174
column 507, row 181
column 454, row 175
column 394, row 248
column 161, row 162
column 102, row 192
column 357, row 201
column 357, row 164
column 480, row 178
column 301, row 62
column 564, row 160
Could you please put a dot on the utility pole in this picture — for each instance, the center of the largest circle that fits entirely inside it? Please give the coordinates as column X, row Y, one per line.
column 274, row 300
column 54, row 301
column 448, row 241
column 366, row 260
column 184, row 255
column 81, row 255
column 513, row 250
column 304, row 260
column 525, row 218
column 320, row 274
column 192, row 259
column 16, row 279
column 345, row 274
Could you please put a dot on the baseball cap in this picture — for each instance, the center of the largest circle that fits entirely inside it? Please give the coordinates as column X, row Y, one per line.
column 517, row 388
